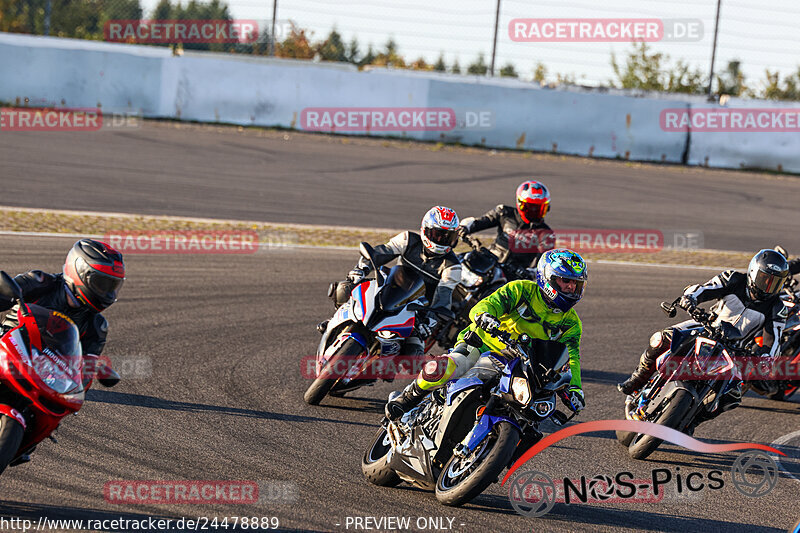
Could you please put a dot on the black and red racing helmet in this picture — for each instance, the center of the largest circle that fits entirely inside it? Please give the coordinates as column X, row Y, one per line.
column 94, row 272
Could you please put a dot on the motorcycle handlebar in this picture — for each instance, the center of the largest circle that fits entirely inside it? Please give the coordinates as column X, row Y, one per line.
column 669, row 309
column 698, row 314
column 474, row 243
column 475, row 341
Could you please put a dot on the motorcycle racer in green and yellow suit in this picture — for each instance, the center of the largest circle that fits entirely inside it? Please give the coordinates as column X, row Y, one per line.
column 542, row 309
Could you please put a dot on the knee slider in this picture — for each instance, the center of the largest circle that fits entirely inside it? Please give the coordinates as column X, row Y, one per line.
column 437, row 368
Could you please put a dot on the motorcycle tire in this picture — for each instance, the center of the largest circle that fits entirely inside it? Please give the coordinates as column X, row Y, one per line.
column 492, row 461
column 11, row 433
column 374, row 463
column 641, row 445
column 324, row 382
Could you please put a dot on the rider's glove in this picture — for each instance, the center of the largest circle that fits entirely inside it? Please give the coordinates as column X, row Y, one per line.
column 687, row 302
column 462, row 231
column 356, row 275
column 574, row 399
column 487, row 322
column 425, row 327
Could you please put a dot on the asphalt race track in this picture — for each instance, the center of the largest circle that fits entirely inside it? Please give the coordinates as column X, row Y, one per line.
column 223, row 336
column 302, row 178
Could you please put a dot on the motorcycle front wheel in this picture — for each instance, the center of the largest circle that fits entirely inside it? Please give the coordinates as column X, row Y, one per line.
column 11, row 433
column 642, row 445
column 462, row 479
column 326, row 378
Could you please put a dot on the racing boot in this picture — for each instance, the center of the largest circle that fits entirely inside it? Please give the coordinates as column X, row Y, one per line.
column 640, row 376
column 434, row 375
column 659, row 341
column 400, row 404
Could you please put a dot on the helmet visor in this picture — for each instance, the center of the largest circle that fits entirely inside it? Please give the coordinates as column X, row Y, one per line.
column 532, row 210
column 103, row 284
column 441, row 236
column 569, row 288
column 767, row 284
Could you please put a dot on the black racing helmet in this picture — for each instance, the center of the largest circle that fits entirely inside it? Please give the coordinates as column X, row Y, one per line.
column 767, row 273
column 94, row 272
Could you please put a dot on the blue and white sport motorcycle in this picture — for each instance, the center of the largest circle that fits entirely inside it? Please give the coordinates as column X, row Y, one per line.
column 461, row 437
column 378, row 317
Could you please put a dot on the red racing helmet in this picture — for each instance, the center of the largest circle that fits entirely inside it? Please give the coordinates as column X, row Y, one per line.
column 533, row 201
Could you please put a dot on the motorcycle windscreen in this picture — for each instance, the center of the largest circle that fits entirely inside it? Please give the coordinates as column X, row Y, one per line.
column 57, row 357
column 552, row 354
column 402, row 286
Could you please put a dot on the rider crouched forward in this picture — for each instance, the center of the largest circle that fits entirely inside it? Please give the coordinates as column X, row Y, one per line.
column 542, row 309
column 429, row 252
column 750, row 302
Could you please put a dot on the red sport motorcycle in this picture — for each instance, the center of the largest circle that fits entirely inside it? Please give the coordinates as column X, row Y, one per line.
column 43, row 376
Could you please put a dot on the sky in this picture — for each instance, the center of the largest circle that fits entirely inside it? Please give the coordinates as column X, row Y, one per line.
column 761, row 34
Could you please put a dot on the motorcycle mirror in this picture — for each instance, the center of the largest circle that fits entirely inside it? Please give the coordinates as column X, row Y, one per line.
column 473, row 339
column 367, row 252
column 668, row 309
column 9, row 288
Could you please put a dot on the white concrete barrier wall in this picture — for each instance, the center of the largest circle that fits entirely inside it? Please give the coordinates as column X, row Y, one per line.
column 588, row 124
column 762, row 150
column 76, row 73
column 263, row 92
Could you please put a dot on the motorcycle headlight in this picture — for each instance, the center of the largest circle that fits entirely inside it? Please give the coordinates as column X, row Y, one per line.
column 469, row 278
column 521, row 390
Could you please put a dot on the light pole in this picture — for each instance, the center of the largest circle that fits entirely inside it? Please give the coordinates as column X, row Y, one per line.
column 714, row 50
column 272, row 31
column 47, row 10
column 494, row 43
